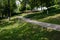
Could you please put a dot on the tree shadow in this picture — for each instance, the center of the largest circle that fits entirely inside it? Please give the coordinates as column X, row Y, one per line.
column 14, row 14
column 7, row 23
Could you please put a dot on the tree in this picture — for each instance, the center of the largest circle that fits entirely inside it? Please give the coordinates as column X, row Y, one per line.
column 34, row 3
column 7, row 6
column 48, row 3
column 8, row 9
column 23, row 5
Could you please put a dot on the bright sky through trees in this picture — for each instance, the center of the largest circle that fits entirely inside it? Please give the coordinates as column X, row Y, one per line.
column 17, row 2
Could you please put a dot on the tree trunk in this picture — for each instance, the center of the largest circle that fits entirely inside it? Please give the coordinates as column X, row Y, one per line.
column 47, row 11
column 8, row 9
column 41, row 6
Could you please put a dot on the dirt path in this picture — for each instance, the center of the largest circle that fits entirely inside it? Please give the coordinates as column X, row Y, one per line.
column 48, row 25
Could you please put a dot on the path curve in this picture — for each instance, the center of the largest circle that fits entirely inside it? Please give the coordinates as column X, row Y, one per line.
column 43, row 24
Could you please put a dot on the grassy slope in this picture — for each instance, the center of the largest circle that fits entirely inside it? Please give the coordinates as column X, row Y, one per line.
column 52, row 17
column 20, row 30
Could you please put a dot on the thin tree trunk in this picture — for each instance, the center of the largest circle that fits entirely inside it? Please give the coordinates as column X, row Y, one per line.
column 47, row 11
column 41, row 5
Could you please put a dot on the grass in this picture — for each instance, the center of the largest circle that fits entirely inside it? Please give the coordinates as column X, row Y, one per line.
column 52, row 17
column 21, row 30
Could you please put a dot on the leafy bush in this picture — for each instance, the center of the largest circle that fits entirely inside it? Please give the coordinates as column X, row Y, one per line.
column 28, row 7
column 22, row 7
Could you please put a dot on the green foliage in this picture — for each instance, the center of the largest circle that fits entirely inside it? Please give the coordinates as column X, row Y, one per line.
column 22, row 7
column 34, row 3
column 4, row 6
column 38, row 3
column 12, row 5
column 28, row 7
column 49, row 3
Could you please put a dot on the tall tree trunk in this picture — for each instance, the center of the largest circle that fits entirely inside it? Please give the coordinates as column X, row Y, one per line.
column 41, row 6
column 8, row 9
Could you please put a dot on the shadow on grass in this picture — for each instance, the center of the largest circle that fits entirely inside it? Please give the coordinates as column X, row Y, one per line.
column 36, row 16
column 5, row 23
column 12, row 14
column 29, row 32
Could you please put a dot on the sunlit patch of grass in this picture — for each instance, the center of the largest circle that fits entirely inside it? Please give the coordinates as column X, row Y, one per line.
column 23, row 14
column 52, row 19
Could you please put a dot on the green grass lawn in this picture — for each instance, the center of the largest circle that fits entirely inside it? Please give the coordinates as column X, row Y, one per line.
column 20, row 30
column 52, row 17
